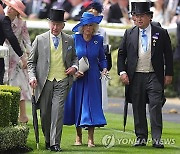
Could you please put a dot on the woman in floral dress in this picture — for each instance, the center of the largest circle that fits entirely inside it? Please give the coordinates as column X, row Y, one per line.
column 15, row 75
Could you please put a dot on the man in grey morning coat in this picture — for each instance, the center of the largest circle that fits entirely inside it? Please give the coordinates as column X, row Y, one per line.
column 51, row 64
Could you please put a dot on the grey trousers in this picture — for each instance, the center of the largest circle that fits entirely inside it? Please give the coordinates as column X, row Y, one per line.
column 146, row 88
column 52, row 109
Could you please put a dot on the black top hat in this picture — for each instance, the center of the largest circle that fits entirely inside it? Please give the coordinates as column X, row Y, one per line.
column 57, row 15
column 142, row 8
column 132, row 8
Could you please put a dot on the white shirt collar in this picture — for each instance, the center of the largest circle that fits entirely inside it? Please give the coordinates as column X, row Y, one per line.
column 59, row 36
column 148, row 29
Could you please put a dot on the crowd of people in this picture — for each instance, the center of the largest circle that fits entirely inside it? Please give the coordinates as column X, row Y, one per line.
column 114, row 11
column 49, row 66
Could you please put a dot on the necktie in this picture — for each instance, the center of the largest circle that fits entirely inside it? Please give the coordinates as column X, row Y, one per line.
column 56, row 42
column 144, row 40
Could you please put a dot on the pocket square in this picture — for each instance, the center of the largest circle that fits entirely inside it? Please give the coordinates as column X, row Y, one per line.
column 69, row 47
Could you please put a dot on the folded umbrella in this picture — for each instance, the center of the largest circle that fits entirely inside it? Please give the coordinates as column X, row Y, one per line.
column 125, row 113
column 35, row 119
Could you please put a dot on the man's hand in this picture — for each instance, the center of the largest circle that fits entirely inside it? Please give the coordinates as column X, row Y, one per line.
column 33, row 83
column 70, row 71
column 124, row 79
column 167, row 80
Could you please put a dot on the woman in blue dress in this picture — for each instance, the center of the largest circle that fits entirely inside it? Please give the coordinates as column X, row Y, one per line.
column 83, row 106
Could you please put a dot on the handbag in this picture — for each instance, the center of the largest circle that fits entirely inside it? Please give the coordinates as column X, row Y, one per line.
column 83, row 64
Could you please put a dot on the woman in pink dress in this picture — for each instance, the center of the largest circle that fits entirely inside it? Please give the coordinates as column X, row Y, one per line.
column 15, row 75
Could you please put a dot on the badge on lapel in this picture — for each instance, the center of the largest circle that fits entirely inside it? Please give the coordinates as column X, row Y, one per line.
column 69, row 48
column 155, row 37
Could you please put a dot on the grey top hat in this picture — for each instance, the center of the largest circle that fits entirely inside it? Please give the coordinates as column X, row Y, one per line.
column 141, row 8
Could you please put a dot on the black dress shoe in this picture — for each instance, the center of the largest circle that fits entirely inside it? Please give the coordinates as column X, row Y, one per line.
column 158, row 145
column 47, row 145
column 140, row 142
column 56, row 148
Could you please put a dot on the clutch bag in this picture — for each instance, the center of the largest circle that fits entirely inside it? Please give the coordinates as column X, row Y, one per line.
column 83, row 64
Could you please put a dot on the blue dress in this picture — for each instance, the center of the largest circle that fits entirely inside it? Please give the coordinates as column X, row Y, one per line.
column 83, row 106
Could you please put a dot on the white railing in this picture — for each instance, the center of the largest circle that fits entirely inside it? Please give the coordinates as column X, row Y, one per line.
column 43, row 24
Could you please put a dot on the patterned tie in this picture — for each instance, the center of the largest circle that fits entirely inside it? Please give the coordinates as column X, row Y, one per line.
column 56, row 41
column 144, row 40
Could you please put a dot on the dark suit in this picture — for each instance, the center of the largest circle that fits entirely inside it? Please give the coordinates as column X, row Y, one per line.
column 162, row 63
column 155, row 23
column 114, row 14
column 6, row 32
column 177, row 60
column 177, row 50
column 28, row 9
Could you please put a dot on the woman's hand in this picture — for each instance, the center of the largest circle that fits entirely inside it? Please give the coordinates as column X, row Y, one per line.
column 104, row 72
column 79, row 74
column 23, row 62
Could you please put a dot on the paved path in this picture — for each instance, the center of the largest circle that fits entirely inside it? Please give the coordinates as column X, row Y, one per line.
column 171, row 110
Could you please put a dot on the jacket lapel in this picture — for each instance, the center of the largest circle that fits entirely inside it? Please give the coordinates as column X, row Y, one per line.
column 64, row 46
column 135, row 38
column 47, row 48
column 153, row 33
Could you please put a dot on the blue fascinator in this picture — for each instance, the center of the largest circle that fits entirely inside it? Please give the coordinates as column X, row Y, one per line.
column 87, row 18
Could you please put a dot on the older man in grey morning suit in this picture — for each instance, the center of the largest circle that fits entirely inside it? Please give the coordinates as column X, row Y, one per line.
column 51, row 64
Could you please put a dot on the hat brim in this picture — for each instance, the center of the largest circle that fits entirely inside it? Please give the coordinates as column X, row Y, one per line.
column 96, row 19
column 55, row 20
column 16, row 8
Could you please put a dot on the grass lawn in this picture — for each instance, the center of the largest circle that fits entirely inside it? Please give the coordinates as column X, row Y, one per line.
column 110, row 139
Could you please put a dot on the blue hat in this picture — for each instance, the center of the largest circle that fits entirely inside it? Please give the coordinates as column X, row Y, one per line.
column 87, row 18
column 95, row 5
